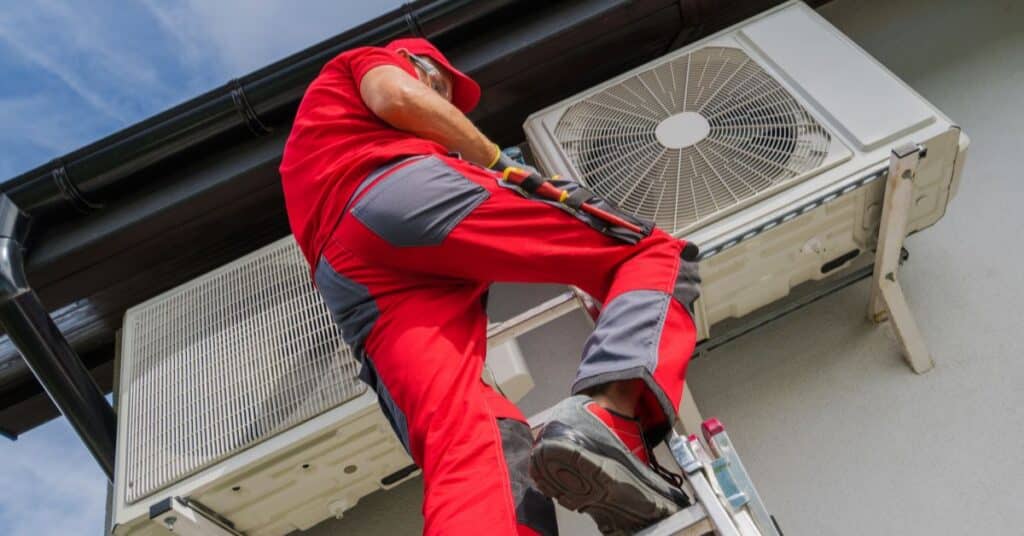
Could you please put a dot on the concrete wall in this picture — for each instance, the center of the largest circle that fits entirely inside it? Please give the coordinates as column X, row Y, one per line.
column 839, row 435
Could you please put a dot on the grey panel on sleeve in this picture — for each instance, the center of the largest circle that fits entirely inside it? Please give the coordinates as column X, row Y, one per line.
column 418, row 204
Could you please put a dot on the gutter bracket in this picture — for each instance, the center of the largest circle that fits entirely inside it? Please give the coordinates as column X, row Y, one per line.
column 244, row 109
column 71, row 193
column 411, row 20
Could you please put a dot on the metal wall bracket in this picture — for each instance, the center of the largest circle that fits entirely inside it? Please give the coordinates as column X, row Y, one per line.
column 188, row 518
column 887, row 300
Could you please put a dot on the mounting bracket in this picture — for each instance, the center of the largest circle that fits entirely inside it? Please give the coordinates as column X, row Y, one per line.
column 189, row 518
column 887, row 300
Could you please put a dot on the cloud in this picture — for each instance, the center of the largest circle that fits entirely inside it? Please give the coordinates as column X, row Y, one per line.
column 249, row 34
column 174, row 21
column 31, row 132
column 51, row 484
column 51, row 132
column 75, row 47
column 53, row 67
column 106, row 64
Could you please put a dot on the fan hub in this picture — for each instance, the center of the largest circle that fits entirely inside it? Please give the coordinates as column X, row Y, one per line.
column 682, row 130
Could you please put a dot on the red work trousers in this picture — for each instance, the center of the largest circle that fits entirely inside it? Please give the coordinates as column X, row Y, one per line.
column 406, row 275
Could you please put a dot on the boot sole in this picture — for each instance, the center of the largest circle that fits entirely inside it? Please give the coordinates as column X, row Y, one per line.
column 586, row 482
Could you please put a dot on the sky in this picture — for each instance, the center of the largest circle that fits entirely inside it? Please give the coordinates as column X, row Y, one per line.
column 73, row 71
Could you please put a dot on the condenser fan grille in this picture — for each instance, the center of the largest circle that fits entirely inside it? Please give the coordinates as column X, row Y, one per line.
column 691, row 139
column 225, row 362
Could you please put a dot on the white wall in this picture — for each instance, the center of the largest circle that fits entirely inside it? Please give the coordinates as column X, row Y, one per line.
column 841, row 437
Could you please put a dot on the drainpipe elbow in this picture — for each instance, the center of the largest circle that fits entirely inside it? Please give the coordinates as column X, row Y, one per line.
column 13, row 230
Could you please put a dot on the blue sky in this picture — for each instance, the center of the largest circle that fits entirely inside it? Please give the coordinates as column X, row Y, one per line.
column 73, row 71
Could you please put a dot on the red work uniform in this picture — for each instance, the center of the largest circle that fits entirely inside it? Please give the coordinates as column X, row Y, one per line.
column 404, row 241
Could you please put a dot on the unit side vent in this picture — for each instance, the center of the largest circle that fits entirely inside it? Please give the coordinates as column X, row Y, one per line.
column 227, row 361
column 691, row 139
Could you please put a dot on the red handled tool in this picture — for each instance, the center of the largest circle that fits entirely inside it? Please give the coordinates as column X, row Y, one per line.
column 540, row 187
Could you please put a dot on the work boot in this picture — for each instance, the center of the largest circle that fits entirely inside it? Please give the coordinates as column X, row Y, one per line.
column 578, row 461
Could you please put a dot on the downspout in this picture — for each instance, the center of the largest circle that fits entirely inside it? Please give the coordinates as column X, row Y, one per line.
column 48, row 354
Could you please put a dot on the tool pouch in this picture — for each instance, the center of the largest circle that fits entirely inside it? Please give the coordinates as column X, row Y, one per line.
column 578, row 195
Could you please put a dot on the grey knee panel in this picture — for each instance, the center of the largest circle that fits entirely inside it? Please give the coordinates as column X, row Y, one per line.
column 624, row 345
column 625, row 342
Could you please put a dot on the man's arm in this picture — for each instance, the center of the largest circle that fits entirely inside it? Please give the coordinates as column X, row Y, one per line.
column 405, row 103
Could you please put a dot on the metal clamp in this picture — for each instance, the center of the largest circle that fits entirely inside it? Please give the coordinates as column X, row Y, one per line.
column 244, row 109
column 71, row 192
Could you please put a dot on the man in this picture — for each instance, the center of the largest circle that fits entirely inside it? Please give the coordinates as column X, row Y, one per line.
column 407, row 213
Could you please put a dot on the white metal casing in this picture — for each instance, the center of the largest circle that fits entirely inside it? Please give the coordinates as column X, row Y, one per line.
column 757, row 252
column 236, row 391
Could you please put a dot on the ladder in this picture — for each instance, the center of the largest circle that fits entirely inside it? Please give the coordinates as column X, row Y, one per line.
column 725, row 502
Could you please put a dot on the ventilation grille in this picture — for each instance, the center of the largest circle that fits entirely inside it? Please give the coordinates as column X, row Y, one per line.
column 226, row 361
column 692, row 139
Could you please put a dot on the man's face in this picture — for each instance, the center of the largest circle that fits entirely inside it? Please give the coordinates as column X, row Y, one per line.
column 433, row 75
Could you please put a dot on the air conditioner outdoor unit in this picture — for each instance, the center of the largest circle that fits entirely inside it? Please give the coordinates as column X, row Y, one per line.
column 769, row 145
column 240, row 410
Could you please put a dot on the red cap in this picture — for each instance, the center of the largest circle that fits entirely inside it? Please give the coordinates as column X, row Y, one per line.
column 712, row 427
column 465, row 92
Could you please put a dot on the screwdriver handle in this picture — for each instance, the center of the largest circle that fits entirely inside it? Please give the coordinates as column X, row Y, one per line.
column 548, row 191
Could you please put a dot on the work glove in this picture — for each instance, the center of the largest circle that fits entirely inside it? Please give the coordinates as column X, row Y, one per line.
column 502, row 160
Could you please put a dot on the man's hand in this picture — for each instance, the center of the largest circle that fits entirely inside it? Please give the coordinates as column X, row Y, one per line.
column 406, row 103
column 502, row 161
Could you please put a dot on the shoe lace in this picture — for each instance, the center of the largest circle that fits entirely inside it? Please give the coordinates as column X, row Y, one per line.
column 672, row 478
